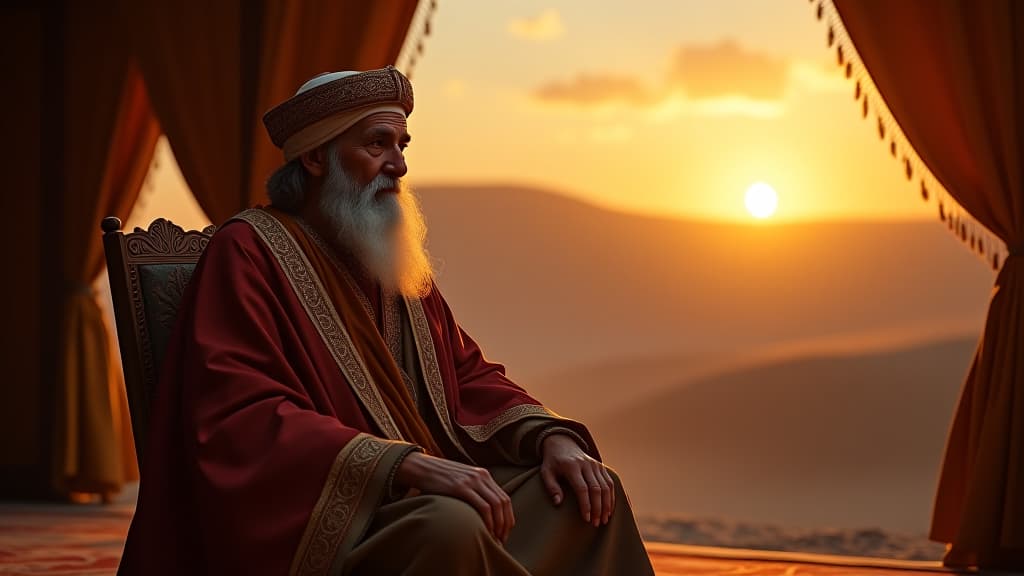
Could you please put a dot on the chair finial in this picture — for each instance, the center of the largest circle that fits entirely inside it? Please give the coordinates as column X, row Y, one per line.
column 110, row 224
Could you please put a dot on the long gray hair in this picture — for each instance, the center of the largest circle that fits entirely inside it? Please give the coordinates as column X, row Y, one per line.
column 286, row 187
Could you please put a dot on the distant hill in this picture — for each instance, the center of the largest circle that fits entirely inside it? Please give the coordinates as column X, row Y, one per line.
column 547, row 283
column 846, row 441
column 800, row 375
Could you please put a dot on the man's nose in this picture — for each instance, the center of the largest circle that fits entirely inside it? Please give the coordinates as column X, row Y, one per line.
column 395, row 166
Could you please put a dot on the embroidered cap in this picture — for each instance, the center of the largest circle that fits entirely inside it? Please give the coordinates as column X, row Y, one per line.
column 331, row 103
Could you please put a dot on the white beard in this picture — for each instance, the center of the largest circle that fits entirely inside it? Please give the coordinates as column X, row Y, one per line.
column 385, row 233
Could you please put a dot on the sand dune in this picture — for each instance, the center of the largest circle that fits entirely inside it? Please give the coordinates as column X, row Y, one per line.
column 844, row 441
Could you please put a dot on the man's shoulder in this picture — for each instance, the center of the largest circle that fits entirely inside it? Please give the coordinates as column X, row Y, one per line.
column 234, row 230
column 234, row 239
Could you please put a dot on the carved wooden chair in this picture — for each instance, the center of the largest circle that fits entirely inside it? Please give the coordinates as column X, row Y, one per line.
column 148, row 271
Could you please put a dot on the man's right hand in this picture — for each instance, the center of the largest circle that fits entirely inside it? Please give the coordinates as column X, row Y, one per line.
column 475, row 486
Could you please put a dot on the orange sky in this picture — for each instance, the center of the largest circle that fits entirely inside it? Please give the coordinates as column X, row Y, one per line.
column 665, row 106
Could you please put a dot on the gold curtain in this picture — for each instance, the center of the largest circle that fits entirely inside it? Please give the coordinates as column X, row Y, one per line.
column 952, row 74
column 214, row 68
column 109, row 139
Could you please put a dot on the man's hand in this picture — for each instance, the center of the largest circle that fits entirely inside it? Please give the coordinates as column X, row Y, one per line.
column 594, row 487
column 475, row 486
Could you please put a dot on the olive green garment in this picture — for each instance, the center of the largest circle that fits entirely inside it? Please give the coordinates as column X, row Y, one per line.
column 430, row 535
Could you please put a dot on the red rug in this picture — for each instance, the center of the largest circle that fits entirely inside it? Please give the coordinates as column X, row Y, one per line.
column 87, row 539
column 51, row 539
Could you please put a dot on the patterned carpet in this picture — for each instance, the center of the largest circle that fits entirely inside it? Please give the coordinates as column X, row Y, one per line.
column 51, row 539
column 86, row 540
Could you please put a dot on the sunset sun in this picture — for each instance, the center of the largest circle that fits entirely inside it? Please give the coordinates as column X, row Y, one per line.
column 761, row 200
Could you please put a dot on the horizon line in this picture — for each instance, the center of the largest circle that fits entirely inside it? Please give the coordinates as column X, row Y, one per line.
column 562, row 193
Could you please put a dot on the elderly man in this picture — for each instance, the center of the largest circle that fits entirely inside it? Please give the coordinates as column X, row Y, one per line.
column 322, row 412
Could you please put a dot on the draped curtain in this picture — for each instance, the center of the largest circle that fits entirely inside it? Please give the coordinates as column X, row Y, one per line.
column 952, row 74
column 213, row 69
column 204, row 72
column 109, row 139
column 301, row 41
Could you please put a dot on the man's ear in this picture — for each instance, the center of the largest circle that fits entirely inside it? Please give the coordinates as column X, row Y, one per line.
column 315, row 161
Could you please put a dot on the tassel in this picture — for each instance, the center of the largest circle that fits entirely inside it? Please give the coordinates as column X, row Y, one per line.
column 995, row 261
column 924, row 191
column 892, row 148
column 864, row 108
column 972, row 242
column 881, row 128
column 840, row 55
column 831, row 36
column 942, row 212
column 849, row 70
column 908, row 169
column 821, row 10
column 856, row 92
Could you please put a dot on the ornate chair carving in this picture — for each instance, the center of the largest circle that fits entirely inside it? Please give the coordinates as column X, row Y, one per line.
column 149, row 271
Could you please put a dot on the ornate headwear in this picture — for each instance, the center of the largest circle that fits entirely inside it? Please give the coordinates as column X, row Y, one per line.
column 331, row 103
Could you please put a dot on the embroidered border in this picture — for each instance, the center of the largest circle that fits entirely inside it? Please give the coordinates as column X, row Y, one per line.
column 389, row 302
column 393, row 326
column 324, row 317
column 338, row 504
column 384, row 85
column 431, row 369
column 483, row 432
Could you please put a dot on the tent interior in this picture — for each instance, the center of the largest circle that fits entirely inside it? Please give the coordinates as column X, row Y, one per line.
column 100, row 89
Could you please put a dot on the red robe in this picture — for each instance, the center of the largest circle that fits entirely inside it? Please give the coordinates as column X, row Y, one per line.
column 270, row 444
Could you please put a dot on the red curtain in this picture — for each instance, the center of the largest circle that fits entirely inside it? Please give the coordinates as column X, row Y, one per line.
column 301, row 40
column 211, row 70
column 952, row 74
column 109, row 139
column 214, row 68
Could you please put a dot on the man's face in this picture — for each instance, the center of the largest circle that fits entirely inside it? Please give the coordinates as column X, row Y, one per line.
column 373, row 146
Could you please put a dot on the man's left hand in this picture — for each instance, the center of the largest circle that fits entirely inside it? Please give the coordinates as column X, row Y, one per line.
column 594, row 487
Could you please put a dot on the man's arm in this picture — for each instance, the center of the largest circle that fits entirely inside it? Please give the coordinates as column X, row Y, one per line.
column 566, row 448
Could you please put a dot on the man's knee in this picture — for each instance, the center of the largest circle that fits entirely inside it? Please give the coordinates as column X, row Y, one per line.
column 617, row 482
column 449, row 525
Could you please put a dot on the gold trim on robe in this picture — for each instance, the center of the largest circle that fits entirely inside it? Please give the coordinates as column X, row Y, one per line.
column 431, row 369
column 322, row 314
column 484, row 432
column 357, row 481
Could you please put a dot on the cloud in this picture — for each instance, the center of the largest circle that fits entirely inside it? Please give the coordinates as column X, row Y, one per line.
column 597, row 89
column 545, row 26
column 721, row 79
column 726, row 70
column 818, row 78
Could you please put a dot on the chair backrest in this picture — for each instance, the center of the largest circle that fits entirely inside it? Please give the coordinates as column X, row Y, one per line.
column 148, row 271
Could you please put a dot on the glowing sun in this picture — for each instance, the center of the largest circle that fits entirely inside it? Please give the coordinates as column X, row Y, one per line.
column 761, row 200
